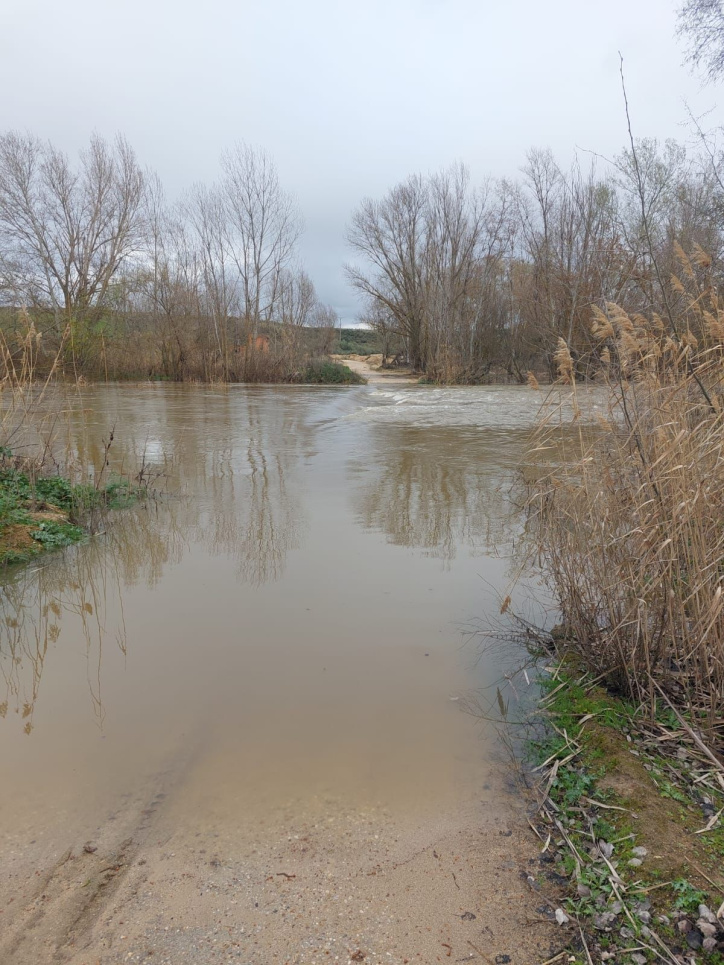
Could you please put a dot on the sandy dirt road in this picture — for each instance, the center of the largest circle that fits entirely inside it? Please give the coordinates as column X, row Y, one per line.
column 368, row 368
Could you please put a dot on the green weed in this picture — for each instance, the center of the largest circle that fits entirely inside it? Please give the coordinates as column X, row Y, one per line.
column 688, row 898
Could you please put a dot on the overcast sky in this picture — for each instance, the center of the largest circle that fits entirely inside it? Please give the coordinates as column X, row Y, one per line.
column 347, row 97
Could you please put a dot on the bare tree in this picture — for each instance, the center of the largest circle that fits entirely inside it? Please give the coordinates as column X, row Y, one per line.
column 205, row 212
column 701, row 22
column 389, row 235
column 263, row 226
column 297, row 298
column 572, row 244
column 296, row 305
column 326, row 321
column 381, row 320
column 169, row 283
column 427, row 246
column 65, row 232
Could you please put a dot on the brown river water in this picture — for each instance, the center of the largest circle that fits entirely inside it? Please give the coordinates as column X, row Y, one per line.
column 246, row 696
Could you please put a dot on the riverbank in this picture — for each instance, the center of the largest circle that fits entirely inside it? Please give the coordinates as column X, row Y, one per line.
column 40, row 513
column 630, row 823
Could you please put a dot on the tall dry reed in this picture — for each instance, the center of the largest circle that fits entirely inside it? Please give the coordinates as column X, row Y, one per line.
column 628, row 517
column 28, row 418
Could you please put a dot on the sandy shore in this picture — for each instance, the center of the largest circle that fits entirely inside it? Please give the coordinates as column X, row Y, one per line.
column 334, row 881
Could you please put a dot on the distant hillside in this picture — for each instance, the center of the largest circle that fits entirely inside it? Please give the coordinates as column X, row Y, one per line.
column 358, row 341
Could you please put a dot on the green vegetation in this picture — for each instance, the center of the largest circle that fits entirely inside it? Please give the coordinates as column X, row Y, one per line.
column 623, row 801
column 324, row 372
column 688, row 898
column 49, row 512
column 358, row 341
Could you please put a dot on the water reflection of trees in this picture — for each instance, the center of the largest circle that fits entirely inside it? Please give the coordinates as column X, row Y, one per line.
column 233, row 487
column 82, row 590
column 232, row 455
column 252, row 511
column 438, row 490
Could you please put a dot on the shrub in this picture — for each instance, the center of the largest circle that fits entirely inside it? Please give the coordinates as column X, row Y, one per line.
column 629, row 519
column 324, row 372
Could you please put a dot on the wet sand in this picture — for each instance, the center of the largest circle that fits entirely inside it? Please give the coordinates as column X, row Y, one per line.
column 341, row 883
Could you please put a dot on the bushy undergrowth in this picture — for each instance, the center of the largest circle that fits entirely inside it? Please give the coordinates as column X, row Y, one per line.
column 629, row 521
column 49, row 512
column 324, row 372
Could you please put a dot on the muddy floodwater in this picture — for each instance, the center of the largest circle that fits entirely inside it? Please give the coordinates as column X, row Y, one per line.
column 231, row 725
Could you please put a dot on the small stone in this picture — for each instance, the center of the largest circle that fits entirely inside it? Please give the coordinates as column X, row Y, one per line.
column 604, row 921
column 694, row 939
column 583, row 891
column 502, row 959
column 635, row 863
column 90, row 848
column 645, row 931
column 626, row 932
column 707, row 914
column 684, row 926
column 645, row 916
column 640, row 852
column 638, row 958
column 561, row 917
column 663, row 919
column 616, row 908
column 605, row 848
column 709, row 944
column 606, row 955
column 706, row 928
column 468, row 916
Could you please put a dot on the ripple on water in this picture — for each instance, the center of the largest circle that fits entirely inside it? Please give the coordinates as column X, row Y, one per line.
column 480, row 407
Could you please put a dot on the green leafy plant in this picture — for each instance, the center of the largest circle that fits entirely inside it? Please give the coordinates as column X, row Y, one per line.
column 54, row 535
column 688, row 898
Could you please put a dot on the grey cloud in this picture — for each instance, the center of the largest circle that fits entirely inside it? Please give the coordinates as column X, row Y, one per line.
column 348, row 98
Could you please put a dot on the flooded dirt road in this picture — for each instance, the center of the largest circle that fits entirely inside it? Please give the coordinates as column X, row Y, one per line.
column 231, row 725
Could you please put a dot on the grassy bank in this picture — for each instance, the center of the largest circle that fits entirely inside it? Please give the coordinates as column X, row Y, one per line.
column 626, row 525
column 629, row 817
column 44, row 513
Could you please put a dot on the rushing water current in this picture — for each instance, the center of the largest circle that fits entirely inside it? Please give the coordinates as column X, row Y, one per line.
column 289, row 620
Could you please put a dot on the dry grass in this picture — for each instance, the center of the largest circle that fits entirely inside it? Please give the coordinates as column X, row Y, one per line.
column 629, row 521
column 27, row 373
